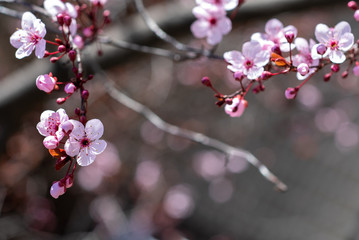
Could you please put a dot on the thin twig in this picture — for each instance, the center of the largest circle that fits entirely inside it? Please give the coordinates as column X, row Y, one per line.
column 30, row 6
column 188, row 134
column 10, row 12
column 153, row 26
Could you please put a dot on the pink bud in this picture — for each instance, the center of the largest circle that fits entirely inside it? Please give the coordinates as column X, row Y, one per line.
column 54, row 59
column 238, row 75
column 335, row 67
column 291, row 93
column 67, row 20
column 70, row 88
column 106, row 16
column 321, row 49
column 88, row 32
column 289, row 36
column 60, row 100
column 344, row 74
column 266, row 75
column 85, row 94
column 67, row 127
column 356, row 15
column 327, row 77
column 57, row 189
column 69, row 181
column 72, row 55
column 51, row 142
column 352, row 5
column 356, row 70
column 303, row 69
column 61, row 48
column 206, row 81
column 45, row 83
column 60, row 19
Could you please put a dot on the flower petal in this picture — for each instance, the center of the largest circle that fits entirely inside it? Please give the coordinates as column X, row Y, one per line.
column 16, row 38
column 27, row 21
column 337, row 56
column 234, row 57
column 97, row 147
column 225, row 25
column 25, row 50
column 214, row 36
column 85, row 158
column 262, row 58
column 40, row 48
column 94, row 129
column 302, row 45
column 342, row 28
column 254, row 72
column 200, row 28
column 273, row 27
column 72, row 147
column 346, row 41
column 78, row 132
column 250, row 49
column 322, row 33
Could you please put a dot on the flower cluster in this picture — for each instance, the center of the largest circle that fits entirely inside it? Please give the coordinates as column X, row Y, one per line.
column 279, row 51
column 212, row 22
column 66, row 139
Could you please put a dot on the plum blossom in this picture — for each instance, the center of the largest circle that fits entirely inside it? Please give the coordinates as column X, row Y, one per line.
column 304, row 57
column 56, row 7
column 211, row 23
column 275, row 34
column 57, row 189
column 46, row 82
column 250, row 62
column 226, row 4
column 237, row 107
column 337, row 40
column 30, row 37
column 51, row 126
column 84, row 141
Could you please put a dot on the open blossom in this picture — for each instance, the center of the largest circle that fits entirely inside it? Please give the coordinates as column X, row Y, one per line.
column 211, row 23
column 304, row 57
column 50, row 126
column 275, row 34
column 226, row 4
column 337, row 40
column 46, row 82
column 250, row 61
column 237, row 107
column 30, row 37
column 55, row 7
column 84, row 141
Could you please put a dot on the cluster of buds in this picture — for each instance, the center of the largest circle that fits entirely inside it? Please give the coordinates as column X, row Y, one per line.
column 66, row 139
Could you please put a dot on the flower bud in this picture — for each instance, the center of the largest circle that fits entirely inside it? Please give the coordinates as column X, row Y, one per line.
column 60, row 19
column 321, row 49
column 83, row 119
column 77, row 111
column 70, row 88
column 291, row 93
column 356, row 15
column 327, row 77
column 54, row 59
column 266, row 75
column 276, row 49
column 45, row 83
column 352, row 5
column 206, row 81
column 61, row 48
column 345, row 74
column 69, row 181
column 237, row 107
column 60, row 100
column 85, row 94
column 335, row 67
column 72, row 55
column 238, row 75
column 50, row 142
column 88, row 32
column 57, row 189
column 106, row 17
column 67, row 20
column 67, row 127
column 79, row 42
column 303, row 69
column 289, row 36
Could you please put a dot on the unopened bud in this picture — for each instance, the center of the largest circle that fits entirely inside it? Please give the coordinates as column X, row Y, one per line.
column 266, row 75
column 61, row 48
column 77, row 111
column 303, row 69
column 72, row 55
column 356, row 70
column 90, row 77
column 335, row 67
column 345, row 74
column 352, row 5
column 70, row 88
column 67, row 20
column 54, row 59
column 46, row 54
column 238, row 75
column 356, row 15
column 85, row 94
column 321, row 49
column 291, row 93
column 83, row 119
column 60, row 19
column 276, row 49
column 206, row 81
column 61, row 100
column 327, row 77
column 106, row 17
column 289, row 36
column 59, row 41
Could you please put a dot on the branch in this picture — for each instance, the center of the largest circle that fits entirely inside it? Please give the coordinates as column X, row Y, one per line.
column 188, row 134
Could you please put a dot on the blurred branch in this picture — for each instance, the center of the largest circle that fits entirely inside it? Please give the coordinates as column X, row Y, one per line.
column 28, row 5
column 185, row 133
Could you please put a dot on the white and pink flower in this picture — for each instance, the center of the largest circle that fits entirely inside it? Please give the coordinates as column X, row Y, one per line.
column 250, row 61
column 337, row 40
column 304, row 58
column 45, row 82
column 50, row 126
column 211, row 23
column 84, row 141
column 275, row 34
column 30, row 37
column 237, row 107
column 56, row 7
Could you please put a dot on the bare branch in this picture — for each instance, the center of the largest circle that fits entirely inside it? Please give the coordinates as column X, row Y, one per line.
column 188, row 134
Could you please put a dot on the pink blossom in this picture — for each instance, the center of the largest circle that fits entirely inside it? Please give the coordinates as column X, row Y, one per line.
column 250, row 62
column 51, row 125
column 79, row 42
column 356, row 15
column 51, row 142
column 29, row 37
column 226, row 4
column 70, row 88
column 304, row 57
column 275, row 35
column 237, row 107
column 303, row 69
column 57, row 189
column 290, row 93
column 211, row 23
column 356, row 70
column 98, row 2
column 55, row 7
column 84, row 141
column 45, row 83
column 337, row 40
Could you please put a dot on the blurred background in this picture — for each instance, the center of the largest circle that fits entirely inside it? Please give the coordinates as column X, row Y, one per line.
column 151, row 185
